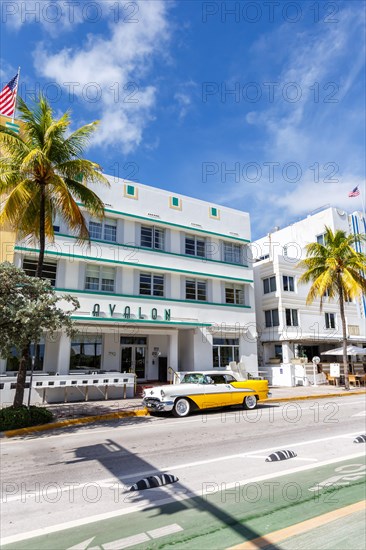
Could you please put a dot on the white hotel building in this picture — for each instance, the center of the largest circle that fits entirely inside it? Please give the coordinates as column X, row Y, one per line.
column 287, row 327
column 164, row 283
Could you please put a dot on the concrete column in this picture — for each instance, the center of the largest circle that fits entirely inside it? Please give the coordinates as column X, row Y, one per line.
column 267, row 352
column 287, row 353
column 173, row 350
column 63, row 361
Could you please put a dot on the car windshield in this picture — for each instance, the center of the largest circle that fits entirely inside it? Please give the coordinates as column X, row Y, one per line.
column 194, row 379
column 199, row 378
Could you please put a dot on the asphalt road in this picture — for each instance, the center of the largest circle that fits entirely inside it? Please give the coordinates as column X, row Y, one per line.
column 69, row 489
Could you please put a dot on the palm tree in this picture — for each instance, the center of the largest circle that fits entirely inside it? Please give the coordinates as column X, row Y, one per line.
column 42, row 173
column 335, row 268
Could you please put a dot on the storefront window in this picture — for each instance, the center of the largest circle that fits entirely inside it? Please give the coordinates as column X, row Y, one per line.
column 86, row 352
column 12, row 363
column 225, row 350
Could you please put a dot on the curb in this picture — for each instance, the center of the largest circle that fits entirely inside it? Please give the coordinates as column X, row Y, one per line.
column 145, row 412
column 75, row 421
column 315, row 396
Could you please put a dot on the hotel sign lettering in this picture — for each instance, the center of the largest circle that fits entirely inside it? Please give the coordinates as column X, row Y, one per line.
column 126, row 313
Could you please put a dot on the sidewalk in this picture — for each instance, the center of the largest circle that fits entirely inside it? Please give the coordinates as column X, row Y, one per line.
column 68, row 414
column 130, row 406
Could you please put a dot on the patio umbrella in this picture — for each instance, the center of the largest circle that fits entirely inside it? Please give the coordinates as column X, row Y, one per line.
column 351, row 350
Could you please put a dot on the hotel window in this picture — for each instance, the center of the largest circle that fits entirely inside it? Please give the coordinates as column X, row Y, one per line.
column 105, row 230
column 288, row 283
column 49, row 270
column 151, row 285
column 195, row 246
column 152, row 237
column 232, row 253
column 272, row 318
column 175, row 202
column 269, row 285
column 225, row 350
column 86, row 352
column 234, row 294
column 196, row 290
column 291, row 318
column 330, row 320
column 130, row 191
column 100, row 278
column 214, row 212
column 320, row 239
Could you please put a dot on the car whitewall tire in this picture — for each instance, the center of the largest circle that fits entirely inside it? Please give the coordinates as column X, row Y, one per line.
column 250, row 402
column 182, row 407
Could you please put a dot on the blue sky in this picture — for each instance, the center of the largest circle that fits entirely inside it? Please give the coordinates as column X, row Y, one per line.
column 290, row 137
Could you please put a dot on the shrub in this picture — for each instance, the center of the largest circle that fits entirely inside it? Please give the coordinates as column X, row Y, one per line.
column 22, row 417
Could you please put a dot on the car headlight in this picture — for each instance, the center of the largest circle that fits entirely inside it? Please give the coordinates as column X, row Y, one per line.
column 162, row 393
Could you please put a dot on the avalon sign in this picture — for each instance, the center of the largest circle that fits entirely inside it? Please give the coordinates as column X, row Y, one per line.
column 127, row 313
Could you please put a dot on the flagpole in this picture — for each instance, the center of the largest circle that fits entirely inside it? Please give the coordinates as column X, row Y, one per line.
column 16, row 95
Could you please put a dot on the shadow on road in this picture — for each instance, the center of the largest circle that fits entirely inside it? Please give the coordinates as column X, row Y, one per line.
column 124, row 465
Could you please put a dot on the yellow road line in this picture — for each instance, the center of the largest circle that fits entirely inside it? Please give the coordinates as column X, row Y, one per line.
column 282, row 534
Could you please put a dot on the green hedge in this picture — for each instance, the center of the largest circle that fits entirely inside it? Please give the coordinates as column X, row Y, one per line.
column 12, row 419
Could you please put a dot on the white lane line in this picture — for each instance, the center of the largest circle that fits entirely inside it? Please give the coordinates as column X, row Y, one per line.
column 362, row 413
column 295, row 458
column 130, row 477
column 82, row 545
column 162, row 423
column 126, row 542
column 148, row 505
column 163, row 531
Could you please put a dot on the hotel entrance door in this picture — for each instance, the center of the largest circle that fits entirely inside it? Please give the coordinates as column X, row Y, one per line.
column 133, row 356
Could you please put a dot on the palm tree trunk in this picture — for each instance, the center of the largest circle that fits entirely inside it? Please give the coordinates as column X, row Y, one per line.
column 344, row 338
column 22, row 373
column 42, row 232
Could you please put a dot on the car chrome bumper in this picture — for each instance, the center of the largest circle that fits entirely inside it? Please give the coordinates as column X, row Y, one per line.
column 154, row 404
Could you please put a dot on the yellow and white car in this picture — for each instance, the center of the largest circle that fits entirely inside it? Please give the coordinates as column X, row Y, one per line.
column 205, row 390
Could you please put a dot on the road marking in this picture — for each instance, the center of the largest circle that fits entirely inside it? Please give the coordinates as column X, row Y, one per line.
column 127, row 542
column 144, row 473
column 362, row 413
column 82, row 545
column 298, row 528
column 171, row 499
column 159, row 422
column 163, row 531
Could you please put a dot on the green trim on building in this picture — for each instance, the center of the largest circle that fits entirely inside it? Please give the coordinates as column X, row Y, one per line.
column 147, row 321
column 185, row 227
column 144, row 297
column 154, row 250
column 138, row 265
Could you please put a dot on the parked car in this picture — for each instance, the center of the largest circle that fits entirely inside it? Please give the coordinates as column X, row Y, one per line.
column 205, row 390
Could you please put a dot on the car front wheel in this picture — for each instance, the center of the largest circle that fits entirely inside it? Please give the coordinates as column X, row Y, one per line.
column 182, row 407
column 250, row 402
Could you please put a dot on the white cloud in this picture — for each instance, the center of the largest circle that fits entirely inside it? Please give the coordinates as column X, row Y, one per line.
column 107, row 73
column 184, row 102
column 310, row 132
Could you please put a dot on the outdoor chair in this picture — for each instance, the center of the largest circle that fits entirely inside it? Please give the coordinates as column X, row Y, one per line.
column 331, row 379
column 353, row 380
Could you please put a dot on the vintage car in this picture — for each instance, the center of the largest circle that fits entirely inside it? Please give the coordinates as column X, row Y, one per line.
column 205, row 390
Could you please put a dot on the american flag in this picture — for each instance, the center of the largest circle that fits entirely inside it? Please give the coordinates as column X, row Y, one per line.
column 354, row 193
column 8, row 96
